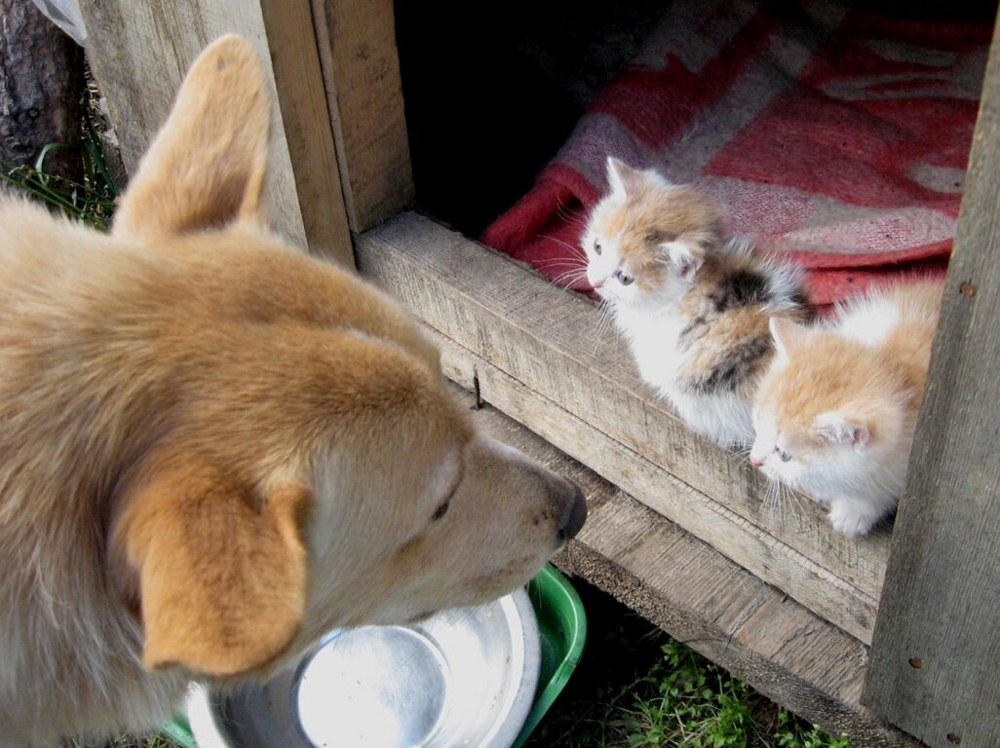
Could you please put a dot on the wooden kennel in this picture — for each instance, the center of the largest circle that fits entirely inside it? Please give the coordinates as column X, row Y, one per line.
column 859, row 636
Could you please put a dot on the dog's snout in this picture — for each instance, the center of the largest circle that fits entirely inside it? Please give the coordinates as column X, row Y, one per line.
column 574, row 510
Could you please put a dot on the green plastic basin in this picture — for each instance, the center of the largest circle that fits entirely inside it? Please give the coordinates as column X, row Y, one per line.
column 562, row 626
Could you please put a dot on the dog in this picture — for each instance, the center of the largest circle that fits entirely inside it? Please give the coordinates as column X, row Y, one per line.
column 215, row 448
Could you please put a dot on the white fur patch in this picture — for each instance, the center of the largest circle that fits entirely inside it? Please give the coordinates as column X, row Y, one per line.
column 601, row 268
column 446, row 476
column 855, row 517
column 652, row 337
column 871, row 322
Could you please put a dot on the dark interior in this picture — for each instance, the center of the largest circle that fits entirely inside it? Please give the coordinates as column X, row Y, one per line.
column 492, row 90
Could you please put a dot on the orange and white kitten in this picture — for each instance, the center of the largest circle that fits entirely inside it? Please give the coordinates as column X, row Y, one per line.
column 836, row 411
column 692, row 304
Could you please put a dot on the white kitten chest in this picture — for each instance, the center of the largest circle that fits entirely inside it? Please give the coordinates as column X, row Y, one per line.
column 652, row 338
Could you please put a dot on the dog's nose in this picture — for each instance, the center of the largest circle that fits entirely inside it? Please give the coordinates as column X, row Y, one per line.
column 574, row 513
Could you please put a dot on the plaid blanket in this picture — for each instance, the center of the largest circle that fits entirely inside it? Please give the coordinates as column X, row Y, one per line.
column 836, row 135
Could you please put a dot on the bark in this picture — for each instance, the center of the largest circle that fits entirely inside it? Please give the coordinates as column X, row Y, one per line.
column 41, row 85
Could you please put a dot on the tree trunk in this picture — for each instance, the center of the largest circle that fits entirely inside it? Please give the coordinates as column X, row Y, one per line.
column 41, row 85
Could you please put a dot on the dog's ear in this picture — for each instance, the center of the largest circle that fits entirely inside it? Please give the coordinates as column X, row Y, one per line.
column 221, row 569
column 206, row 166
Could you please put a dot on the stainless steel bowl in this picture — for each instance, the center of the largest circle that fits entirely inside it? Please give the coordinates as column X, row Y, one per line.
column 461, row 678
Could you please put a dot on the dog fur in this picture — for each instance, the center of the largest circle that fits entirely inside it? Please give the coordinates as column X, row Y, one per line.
column 214, row 448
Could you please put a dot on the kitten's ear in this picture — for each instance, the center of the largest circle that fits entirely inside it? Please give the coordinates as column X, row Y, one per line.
column 623, row 179
column 840, row 429
column 787, row 335
column 206, row 166
column 221, row 567
column 686, row 256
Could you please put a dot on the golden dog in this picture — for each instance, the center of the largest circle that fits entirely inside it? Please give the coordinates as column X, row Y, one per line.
column 213, row 448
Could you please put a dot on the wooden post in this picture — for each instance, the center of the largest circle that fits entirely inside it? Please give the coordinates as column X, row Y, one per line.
column 357, row 43
column 140, row 52
column 935, row 659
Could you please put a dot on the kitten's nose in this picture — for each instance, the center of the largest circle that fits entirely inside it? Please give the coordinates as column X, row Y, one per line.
column 756, row 461
column 596, row 285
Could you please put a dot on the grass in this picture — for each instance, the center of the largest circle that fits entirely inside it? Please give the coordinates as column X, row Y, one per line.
column 635, row 686
column 91, row 200
column 152, row 741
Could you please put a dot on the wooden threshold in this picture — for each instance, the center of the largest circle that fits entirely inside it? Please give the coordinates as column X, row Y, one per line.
column 703, row 599
column 537, row 352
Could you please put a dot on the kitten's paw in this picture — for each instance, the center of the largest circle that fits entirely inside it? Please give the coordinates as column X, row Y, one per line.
column 852, row 518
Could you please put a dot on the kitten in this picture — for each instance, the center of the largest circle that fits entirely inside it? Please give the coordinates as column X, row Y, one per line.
column 692, row 304
column 836, row 412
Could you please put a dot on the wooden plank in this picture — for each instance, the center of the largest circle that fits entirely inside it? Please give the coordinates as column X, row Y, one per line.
column 550, row 341
column 937, row 644
column 750, row 546
column 308, row 128
column 357, row 43
column 140, row 53
column 699, row 597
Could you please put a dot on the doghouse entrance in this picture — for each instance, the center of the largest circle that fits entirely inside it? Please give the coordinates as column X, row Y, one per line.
column 482, row 130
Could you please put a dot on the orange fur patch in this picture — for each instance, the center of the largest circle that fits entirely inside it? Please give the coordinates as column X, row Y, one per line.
column 232, row 609
column 170, row 193
column 827, row 372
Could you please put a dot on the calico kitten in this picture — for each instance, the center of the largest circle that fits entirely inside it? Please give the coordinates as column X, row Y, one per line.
column 692, row 304
column 836, row 412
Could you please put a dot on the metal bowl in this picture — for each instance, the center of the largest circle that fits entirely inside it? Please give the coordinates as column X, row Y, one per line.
column 461, row 678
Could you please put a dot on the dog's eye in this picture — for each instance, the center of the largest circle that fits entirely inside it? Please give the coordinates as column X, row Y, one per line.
column 597, row 248
column 443, row 506
column 624, row 278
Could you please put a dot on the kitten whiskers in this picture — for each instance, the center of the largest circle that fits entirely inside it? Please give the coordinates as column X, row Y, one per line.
column 778, row 499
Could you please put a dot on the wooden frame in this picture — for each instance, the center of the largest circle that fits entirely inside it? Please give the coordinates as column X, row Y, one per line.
column 776, row 595
column 937, row 646
column 587, row 399
column 140, row 52
column 357, row 43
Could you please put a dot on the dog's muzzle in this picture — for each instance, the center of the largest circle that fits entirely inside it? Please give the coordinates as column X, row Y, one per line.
column 574, row 512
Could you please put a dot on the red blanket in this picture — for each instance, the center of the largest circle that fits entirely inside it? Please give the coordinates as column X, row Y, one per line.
column 838, row 136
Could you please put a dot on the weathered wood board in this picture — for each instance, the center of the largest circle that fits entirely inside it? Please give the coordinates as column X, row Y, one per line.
column 705, row 600
column 556, row 373
column 935, row 668
column 363, row 87
column 140, row 52
column 755, row 549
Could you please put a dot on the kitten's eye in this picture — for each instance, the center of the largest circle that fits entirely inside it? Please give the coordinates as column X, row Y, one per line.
column 624, row 278
column 441, row 510
column 782, row 454
column 597, row 248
